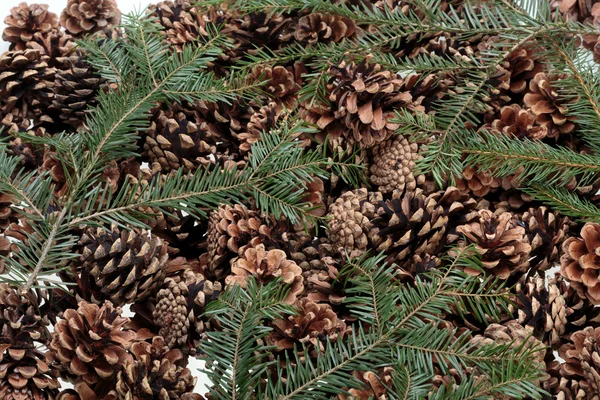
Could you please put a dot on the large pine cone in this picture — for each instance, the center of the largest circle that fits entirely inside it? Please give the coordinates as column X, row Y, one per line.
column 26, row 20
column 90, row 343
column 26, row 375
column 325, row 28
column 501, row 241
column 127, row 266
column 55, row 44
column 26, row 83
column 155, row 372
column 582, row 361
column 82, row 17
column 392, row 165
column 580, row 265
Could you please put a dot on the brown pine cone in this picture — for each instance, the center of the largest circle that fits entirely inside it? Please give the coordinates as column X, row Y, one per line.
column 582, row 362
column 266, row 265
column 26, row 375
column 523, row 64
column 579, row 263
column 170, row 313
column 20, row 322
column 26, row 83
column 8, row 215
column 55, row 44
column 517, row 122
column 127, row 266
column 26, row 20
column 374, row 386
column 82, row 17
column 581, row 313
column 280, row 84
column 324, row 28
column 155, row 372
column 363, row 99
column 545, row 232
column 261, row 121
column 313, row 326
column 501, row 241
column 582, row 11
column 90, row 343
column 392, row 165
column 550, row 109
column 5, row 249
column 479, row 183
column 75, row 90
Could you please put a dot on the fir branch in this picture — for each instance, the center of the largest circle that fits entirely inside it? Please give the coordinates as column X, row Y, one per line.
column 566, row 202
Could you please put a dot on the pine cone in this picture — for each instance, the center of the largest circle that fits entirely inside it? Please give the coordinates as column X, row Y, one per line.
column 479, row 183
column 392, row 165
column 523, row 64
column 374, row 386
column 350, row 222
column 313, row 326
column 26, row 83
column 5, row 248
column 579, row 265
column 155, row 372
column 501, row 241
column 581, row 313
column 127, row 266
column 545, row 232
column 89, row 343
column 170, row 313
column 26, row 20
column 266, row 265
column 550, row 108
column 8, row 215
column 280, row 84
column 20, row 322
column 261, row 121
column 75, row 90
column 56, row 44
column 82, row 17
column 26, row 375
column 519, row 123
column 324, row 28
column 363, row 100
column 582, row 11
column 582, row 361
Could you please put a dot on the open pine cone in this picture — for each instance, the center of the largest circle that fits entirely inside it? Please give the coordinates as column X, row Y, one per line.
column 517, row 122
column 324, row 28
column 83, row 17
column 26, row 375
column 581, row 369
column 546, row 233
column 26, row 20
column 580, row 265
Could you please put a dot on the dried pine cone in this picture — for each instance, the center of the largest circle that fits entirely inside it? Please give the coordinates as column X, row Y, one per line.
column 324, row 28
column 82, row 17
column 155, row 372
column 501, row 241
column 20, row 323
column 90, row 343
column 374, row 386
column 548, row 106
column 266, row 265
column 170, row 312
column 26, row 375
column 26, row 20
column 519, row 123
column 280, row 83
column 582, row 363
column 5, row 248
column 261, row 121
column 55, row 44
column 579, row 264
column 127, row 266
column 392, row 165
column 7, row 214
column 581, row 313
column 479, row 183
column 545, row 232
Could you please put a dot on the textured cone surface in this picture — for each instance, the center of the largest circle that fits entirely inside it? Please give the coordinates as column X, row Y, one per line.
column 579, row 264
column 280, row 83
column 26, row 20
column 155, row 372
column 127, row 266
column 324, row 28
column 20, row 324
column 261, row 121
column 90, row 343
column 374, row 386
column 517, row 122
column 83, row 17
column 392, row 165
column 546, row 232
column 7, row 214
column 55, row 44
column 26, row 375
column 478, row 183
column 581, row 369
column 500, row 241
column 171, row 313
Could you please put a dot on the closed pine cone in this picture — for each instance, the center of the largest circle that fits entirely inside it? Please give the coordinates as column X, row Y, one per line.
column 517, row 122
column 83, row 17
column 266, row 265
column 26, row 20
column 90, row 343
column 582, row 362
column 501, row 241
column 580, row 263
column 363, row 99
column 26, row 375
column 325, row 28
column 479, row 183
column 155, row 372
column 170, row 313
column 546, row 233
column 392, row 165
column 127, row 266
column 550, row 109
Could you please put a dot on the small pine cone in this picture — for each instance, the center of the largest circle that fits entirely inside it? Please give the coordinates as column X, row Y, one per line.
column 363, row 99
column 90, row 343
column 82, row 17
column 55, row 44
column 543, row 309
column 26, row 20
column 324, row 28
column 548, row 106
column 313, row 326
column 8, row 215
column 75, row 90
column 523, row 64
column 231, row 230
column 200, row 292
column 20, row 322
column 545, row 232
column 582, row 360
column 127, row 266
column 580, row 312
column 517, row 122
column 479, row 183
column 155, row 372
column 501, row 241
column 374, row 386
column 579, row 265
column 350, row 222
column 280, row 83
column 266, row 265
column 392, row 165
column 171, row 314
column 26, row 375
column 261, row 121
column 26, row 83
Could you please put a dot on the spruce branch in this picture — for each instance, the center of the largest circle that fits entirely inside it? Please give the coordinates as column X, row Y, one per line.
column 566, row 202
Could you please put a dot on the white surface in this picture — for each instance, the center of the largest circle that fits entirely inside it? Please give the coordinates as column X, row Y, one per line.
column 126, row 6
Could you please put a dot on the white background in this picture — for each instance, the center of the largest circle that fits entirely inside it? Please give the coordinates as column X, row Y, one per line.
column 126, row 6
